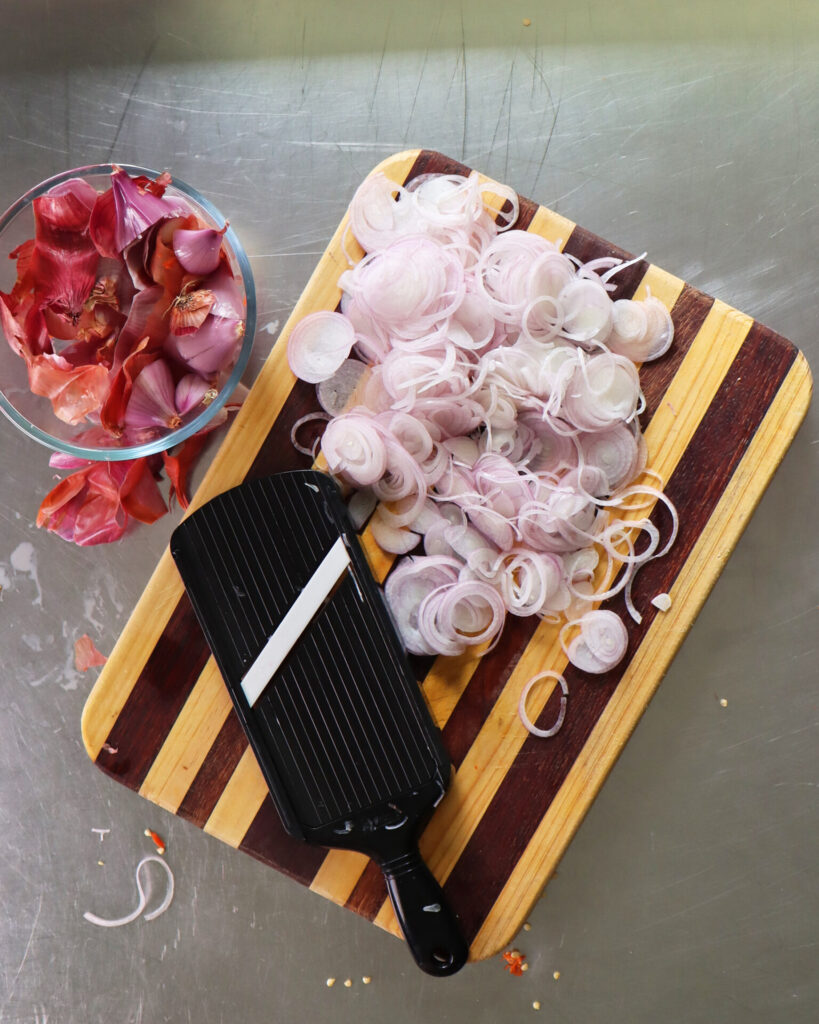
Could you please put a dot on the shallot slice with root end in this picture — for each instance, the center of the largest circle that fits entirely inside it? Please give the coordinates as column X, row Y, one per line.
column 641, row 330
column 533, row 729
column 319, row 344
column 354, row 448
column 396, row 539
column 601, row 643
column 379, row 212
column 587, row 310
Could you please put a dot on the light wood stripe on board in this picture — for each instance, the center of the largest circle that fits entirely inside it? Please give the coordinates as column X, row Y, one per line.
column 189, row 741
column 239, row 803
column 153, row 610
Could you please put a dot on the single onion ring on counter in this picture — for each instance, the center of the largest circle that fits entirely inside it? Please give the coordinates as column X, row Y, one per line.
column 104, row 922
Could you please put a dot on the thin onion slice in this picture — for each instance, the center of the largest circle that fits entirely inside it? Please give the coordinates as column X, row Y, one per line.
column 533, row 729
column 104, row 922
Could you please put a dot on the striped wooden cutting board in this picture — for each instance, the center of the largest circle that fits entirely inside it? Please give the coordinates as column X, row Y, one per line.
column 722, row 408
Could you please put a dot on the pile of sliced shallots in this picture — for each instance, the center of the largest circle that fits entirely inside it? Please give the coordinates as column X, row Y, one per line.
column 482, row 398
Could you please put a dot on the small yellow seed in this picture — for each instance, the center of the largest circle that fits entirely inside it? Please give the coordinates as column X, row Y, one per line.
column 536, row 1004
column 556, row 975
column 527, row 22
column 366, row 979
column 723, row 703
column 331, row 982
column 348, row 982
column 527, row 927
column 101, row 863
column 524, row 967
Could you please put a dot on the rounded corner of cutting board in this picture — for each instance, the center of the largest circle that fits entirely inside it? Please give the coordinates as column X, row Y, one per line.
column 89, row 722
column 806, row 390
column 404, row 158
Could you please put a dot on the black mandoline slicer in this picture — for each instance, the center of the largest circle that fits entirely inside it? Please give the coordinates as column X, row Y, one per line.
column 322, row 686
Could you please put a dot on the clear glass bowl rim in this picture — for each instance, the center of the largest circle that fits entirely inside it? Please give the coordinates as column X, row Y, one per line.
column 174, row 437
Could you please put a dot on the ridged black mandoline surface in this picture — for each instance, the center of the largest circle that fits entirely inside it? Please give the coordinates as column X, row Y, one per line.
column 341, row 731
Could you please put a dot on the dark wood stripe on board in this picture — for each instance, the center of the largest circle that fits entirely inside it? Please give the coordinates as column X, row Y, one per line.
column 585, row 246
column 267, row 841
column 277, row 454
column 369, row 893
column 214, row 772
column 537, row 772
column 156, row 699
column 430, row 162
column 689, row 312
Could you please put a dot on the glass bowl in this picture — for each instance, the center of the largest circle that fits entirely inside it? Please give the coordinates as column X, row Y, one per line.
column 34, row 414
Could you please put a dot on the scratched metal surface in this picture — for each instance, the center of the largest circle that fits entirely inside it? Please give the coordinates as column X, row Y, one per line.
column 690, row 892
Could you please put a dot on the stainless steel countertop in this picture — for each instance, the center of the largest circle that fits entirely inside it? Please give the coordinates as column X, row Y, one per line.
column 691, row 891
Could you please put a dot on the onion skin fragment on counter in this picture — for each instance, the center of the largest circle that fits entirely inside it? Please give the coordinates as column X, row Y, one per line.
column 86, row 654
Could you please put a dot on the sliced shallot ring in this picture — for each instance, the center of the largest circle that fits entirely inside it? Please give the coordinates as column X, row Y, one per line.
column 354, row 448
column 395, row 539
column 319, row 344
column 311, row 417
column 530, row 726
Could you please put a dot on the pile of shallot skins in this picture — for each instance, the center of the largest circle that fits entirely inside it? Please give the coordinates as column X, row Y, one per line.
column 482, row 393
column 129, row 317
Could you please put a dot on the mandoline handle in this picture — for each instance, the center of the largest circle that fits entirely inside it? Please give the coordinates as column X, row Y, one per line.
column 428, row 924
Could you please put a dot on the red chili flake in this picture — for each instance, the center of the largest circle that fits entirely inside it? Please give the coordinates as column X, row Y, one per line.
column 159, row 842
column 514, row 962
